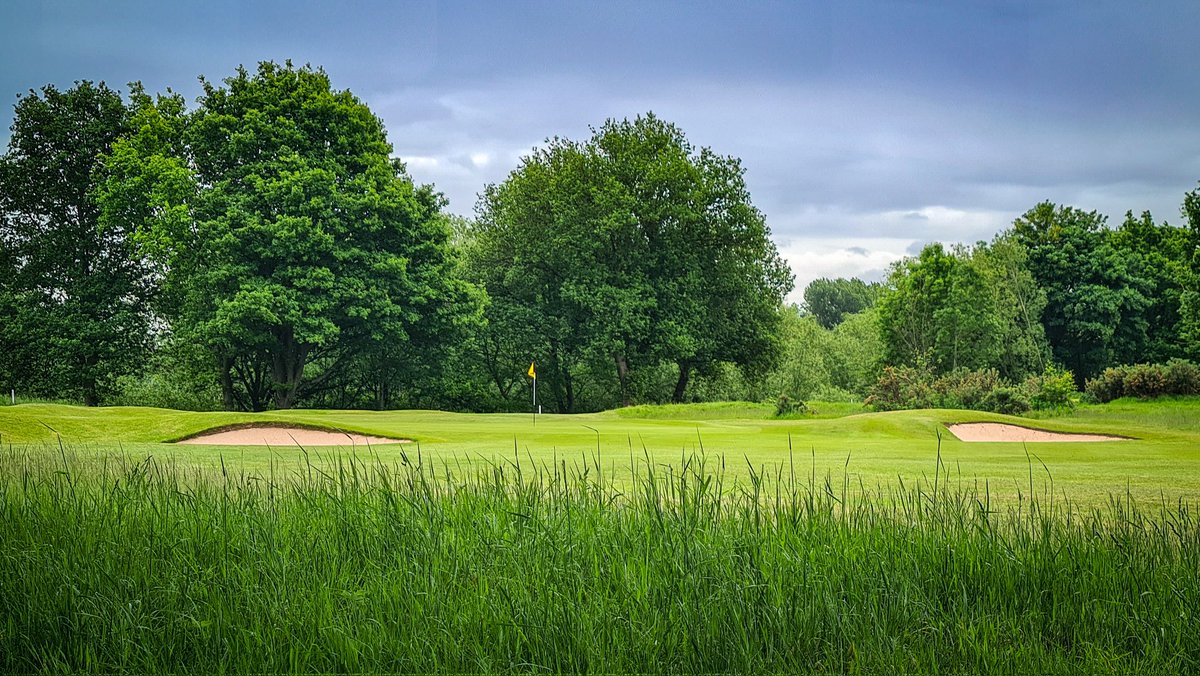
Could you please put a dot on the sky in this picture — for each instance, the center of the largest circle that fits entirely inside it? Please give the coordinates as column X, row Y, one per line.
column 866, row 129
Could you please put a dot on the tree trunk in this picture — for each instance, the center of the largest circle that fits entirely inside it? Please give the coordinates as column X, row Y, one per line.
column 91, row 396
column 622, row 377
column 287, row 368
column 227, row 399
column 570, row 389
column 685, row 371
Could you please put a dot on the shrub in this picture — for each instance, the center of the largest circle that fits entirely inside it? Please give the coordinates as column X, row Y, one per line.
column 907, row 387
column 1147, row 381
column 787, row 406
column 1006, row 400
column 1109, row 385
column 1183, row 377
column 901, row 387
column 963, row 388
column 1051, row 390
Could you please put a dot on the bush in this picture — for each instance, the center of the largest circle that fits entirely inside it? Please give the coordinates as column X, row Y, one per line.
column 1107, row 386
column 1183, row 377
column 907, row 387
column 1006, row 400
column 901, row 387
column 786, row 406
column 165, row 390
column 1051, row 390
column 1146, row 381
column 963, row 388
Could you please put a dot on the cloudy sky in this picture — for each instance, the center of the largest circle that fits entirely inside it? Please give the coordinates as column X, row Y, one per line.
column 866, row 128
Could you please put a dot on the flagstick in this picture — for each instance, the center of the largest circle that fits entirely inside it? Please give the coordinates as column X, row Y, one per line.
column 535, row 400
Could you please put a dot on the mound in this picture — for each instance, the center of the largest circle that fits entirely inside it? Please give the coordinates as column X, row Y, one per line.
column 267, row 435
column 1003, row 432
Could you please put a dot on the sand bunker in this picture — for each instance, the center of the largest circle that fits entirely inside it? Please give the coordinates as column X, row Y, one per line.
column 1002, row 432
column 285, row 436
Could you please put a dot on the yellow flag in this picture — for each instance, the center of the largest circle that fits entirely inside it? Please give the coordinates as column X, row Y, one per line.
column 532, row 373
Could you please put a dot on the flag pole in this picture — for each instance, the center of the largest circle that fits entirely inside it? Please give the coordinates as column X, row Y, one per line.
column 533, row 374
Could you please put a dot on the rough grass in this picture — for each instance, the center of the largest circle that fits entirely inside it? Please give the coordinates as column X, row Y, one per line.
column 363, row 564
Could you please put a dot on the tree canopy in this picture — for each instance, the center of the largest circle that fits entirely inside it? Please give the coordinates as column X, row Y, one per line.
column 1096, row 298
column 263, row 248
column 831, row 300
column 285, row 232
column 72, row 294
column 632, row 248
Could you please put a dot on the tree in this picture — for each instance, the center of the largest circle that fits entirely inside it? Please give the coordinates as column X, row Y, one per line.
column 938, row 310
column 830, row 300
column 631, row 248
column 1190, row 298
column 1158, row 254
column 286, row 234
column 806, row 368
column 1096, row 300
column 73, row 295
column 1019, row 303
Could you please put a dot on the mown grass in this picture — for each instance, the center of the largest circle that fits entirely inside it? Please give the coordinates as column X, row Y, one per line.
column 1161, row 460
column 356, row 563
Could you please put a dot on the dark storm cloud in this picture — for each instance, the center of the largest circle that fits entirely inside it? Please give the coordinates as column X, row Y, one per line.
column 863, row 126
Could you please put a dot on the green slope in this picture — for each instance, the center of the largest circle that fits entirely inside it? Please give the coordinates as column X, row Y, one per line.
column 1163, row 459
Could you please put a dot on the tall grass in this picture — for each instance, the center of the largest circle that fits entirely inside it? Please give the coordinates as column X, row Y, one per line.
column 353, row 564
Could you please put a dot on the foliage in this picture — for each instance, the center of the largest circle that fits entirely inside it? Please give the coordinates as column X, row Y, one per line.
column 1146, row 381
column 1006, row 400
column 819, row 363
column 1019, row 303
column 1096, row 306
column 938, row 308
column 72, row 294
column 1052, row 390
column 1160, row 253
column 902, row 387
column 630, row 249
column 1189, row 324
column 786, row 406
column 908, row 387
column 286, row 234
column 964, row 388
column 831, row 300
column 178, row 376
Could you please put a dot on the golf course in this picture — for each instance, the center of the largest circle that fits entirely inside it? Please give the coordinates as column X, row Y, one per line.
column 462, row 357
column 710, row 537
column 1156, row 457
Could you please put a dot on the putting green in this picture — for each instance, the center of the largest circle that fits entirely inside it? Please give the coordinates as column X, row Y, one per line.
column 1160, row 461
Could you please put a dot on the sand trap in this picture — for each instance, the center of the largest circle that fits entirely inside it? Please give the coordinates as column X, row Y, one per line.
column 285, row 436
column 1003, row 432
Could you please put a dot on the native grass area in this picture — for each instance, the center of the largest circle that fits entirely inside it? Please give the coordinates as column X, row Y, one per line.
column 647, row 539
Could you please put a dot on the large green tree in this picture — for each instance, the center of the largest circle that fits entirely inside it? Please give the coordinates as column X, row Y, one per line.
column 830, row 300
column 1096, row 298
column 72, row 293
column 632, row 248
column 1190, row 296
column 938, row 310
column 289, row 240
column 1158, row 253
column 1018, row 303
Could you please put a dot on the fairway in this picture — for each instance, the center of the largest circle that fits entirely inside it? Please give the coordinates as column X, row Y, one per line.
column 1157, row 461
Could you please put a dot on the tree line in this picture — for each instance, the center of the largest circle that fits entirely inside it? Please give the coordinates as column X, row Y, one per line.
column 262, row 248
